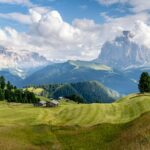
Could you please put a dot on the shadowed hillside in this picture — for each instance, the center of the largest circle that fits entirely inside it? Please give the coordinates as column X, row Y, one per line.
column 90, row 91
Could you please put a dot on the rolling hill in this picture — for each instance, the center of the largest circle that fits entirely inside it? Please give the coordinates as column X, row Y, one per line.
column 79, row 71
column 90, row 91
column 77, row 126
column 127, row 136
column 122, row 111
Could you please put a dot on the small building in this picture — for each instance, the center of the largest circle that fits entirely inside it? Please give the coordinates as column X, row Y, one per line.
column 60, row 98
column 52, row 103
column 40, row 104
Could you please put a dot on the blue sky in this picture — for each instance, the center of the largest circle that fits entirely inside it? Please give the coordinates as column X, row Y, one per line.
column 69, row 29
column 69, row 10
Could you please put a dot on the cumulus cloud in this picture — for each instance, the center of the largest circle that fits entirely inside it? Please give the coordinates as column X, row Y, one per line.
column 55, row 38
column 21, row 18
column 137, row 5
column 34, row 15
column 50, row 35
column 19, row 2
column 59, row 35
column 142, row 33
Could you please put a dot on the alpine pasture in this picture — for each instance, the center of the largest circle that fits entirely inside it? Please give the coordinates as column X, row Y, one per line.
column 27, row 127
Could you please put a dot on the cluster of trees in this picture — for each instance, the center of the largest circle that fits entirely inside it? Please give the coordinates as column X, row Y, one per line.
column 82, row 92
column 61, row 90
column 76, row 98
column 12, row 94
column 144, row 83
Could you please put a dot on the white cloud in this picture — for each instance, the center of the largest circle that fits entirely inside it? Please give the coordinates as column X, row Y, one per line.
column 55, row 38
column 19, row 2
column 137, row 5
column 109, row 2
column 142, row 33
column 21, row 18
column 105, row 16
column 33, row 16
column 61, row 36
column 41, row 10
column 50, row 35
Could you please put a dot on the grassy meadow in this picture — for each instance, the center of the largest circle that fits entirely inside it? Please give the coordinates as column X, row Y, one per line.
column 120, row 125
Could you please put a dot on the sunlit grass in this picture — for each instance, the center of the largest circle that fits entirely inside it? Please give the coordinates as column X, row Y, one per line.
column 76, row 126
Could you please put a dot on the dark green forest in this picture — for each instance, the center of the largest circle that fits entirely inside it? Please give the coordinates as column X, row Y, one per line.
column 13, row 94
column 82, row 92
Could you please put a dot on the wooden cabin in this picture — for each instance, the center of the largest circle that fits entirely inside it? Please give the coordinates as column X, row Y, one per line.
column 40, row 104
column 52, row 103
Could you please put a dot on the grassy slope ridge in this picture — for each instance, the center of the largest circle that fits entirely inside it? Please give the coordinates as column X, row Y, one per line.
column 26, row 127
column 122, row 111
column 72, row 114
column 134, row 135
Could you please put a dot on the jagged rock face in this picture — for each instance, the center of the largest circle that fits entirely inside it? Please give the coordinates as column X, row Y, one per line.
column 124, row 53
column 22, row 63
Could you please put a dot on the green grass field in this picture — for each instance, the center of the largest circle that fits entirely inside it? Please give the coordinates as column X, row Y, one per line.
column 122, row 125
column 125, row 110
column 36, row 91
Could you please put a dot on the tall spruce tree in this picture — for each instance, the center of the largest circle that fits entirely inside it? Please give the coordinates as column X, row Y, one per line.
column 2, row 96
column 144, row 82
column 2, row 82
column 9, row 86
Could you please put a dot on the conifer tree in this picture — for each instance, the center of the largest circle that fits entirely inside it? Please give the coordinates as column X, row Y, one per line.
column 2, row 96
column 2, row 82
column 144, row 83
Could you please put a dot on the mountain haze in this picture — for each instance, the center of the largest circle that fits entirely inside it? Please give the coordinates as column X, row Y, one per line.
column 77, row 71
column 123, row 53
column 21, row 64
column 120, row 62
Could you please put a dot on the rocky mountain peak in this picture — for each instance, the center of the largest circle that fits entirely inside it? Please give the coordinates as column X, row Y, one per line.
column 124, row 52
column 21, row 64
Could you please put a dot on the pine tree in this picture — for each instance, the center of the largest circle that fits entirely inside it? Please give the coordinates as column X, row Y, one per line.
column 2, row 82
column 9, row 86
column 144, row 83
column 2, row 96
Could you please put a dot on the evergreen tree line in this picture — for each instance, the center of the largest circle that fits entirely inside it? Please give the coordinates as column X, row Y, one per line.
column 12, row 94
column 76, row 98
column 144, row 83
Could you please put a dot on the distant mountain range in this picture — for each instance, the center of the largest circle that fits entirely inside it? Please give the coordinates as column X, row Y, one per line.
column 118, row 66
column 21, row 64
column 76, row 71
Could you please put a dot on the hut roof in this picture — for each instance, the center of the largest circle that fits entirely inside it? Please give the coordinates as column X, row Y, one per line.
column 42, row 102
column 55, row 102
